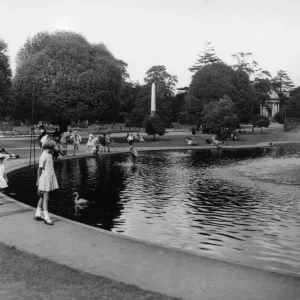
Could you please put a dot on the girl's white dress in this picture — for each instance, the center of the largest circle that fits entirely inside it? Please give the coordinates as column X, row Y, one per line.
column 47, row 181
column 3, row 183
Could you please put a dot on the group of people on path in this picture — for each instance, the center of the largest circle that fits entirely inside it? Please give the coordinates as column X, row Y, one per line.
column 99, row 143
column 64, row 138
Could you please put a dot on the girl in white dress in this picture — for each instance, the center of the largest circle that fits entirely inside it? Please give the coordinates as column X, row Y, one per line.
column 46, row 181
column 3, row 177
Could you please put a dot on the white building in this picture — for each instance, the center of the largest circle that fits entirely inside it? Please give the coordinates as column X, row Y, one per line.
column 271, row 106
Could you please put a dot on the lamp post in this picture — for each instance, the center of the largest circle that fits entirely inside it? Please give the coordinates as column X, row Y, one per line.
column 32, row 140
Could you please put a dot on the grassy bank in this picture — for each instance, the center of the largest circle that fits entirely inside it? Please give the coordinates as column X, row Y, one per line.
column 25, row 276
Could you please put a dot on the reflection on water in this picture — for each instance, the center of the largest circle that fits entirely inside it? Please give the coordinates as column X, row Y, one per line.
column 228, row 208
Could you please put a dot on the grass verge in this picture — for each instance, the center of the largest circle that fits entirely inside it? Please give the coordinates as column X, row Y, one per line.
column 26, row 276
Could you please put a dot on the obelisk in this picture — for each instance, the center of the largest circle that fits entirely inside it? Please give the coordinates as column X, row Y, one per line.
column 153, row 101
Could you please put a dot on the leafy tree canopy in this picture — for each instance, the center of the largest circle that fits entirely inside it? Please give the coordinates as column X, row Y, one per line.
column 282, row 83
column 295, row 91
column 6, row 98
column 207, row 56
column 252, row 67
column 72, row 78
column 214, row 81
column 219, row 116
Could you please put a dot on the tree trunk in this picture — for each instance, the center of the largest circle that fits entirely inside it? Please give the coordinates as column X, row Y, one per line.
column 260, row 129
column 154, row 136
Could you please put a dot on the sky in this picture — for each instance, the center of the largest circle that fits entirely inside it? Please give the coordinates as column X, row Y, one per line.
column 172, row 33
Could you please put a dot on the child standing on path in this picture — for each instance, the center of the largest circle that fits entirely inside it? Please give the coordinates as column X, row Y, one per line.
column 46, row 182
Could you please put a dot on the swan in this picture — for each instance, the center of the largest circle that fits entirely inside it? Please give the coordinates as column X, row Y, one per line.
column 79, row 201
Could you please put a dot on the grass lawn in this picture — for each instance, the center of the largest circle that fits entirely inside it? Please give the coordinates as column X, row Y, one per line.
column 25, row 276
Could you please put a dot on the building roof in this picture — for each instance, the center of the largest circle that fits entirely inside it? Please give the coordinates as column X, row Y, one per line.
column 273, row 95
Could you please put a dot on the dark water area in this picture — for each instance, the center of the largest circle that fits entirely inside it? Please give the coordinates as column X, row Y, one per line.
column 229, row 206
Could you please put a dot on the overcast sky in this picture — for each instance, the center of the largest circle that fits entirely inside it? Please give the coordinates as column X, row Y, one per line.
column 166, row 32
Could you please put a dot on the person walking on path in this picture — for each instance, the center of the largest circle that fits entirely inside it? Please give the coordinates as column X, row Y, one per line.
column 64, row 141
column 76, row 140
column 89, row 145
column 46, row 182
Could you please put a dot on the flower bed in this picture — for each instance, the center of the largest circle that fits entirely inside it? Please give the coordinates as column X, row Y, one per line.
column 14, row 134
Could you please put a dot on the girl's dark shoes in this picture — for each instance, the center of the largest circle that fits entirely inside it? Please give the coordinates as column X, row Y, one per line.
column 38, row 218
column 48, row 222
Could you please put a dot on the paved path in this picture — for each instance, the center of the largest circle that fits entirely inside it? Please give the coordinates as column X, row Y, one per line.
column 149, row 266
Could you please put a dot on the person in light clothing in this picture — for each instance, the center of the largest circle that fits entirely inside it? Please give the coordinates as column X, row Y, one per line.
column 3, row 177
column 89, row 145
column 76, row 140
column 46, row 181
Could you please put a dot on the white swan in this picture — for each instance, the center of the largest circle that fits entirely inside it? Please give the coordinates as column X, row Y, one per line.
column 79, row 201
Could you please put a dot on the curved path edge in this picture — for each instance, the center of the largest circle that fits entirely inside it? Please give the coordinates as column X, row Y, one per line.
column 150, row 266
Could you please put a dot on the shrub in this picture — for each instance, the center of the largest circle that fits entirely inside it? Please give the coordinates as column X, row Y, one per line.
column 154, row 125
column 280, row 116
column 260, row 121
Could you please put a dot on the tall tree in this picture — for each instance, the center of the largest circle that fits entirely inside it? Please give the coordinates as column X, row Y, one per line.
column 207, row 56
column 252, row 67
column 219, row 116
column 282, row 84
column 72, row 78
column 6, row 98
column 214, row 81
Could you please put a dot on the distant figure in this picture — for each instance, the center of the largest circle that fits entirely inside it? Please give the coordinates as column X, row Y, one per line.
column 134, row 156
column 64, row 141
column 3, row 177
column 11, row 155
column 89, row 145
column 76, row 140
column 193, row 130
column 95, row 150
column 208, row 140
column 191, row 141
column 55, row 135
column 215, row 142
column 39, row 139
column 57, row 152
column 139, row 138
column 103, row 142
column 130, row 140
column 107, row 142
